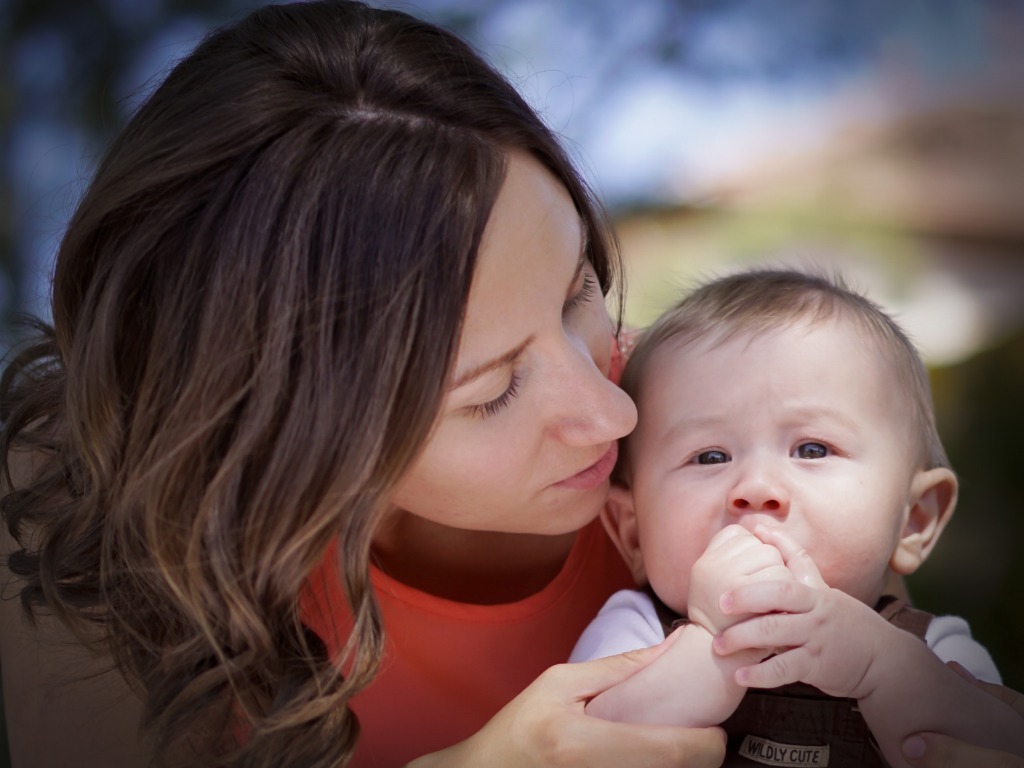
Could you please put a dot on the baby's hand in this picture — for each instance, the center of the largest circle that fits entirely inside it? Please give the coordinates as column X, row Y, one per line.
column 734, row 557
column 826, row 638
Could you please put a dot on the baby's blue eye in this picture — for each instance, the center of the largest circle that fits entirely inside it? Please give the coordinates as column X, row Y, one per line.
column 811, row 451
column 712, row 457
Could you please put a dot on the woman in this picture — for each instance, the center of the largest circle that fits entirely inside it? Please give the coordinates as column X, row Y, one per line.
column 314, row 448
column 328, row 343
column 933, row 750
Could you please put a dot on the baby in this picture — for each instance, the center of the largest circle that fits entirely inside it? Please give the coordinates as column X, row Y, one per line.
column 784, row 473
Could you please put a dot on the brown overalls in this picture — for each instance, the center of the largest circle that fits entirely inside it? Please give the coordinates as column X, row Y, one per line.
column 799, row 726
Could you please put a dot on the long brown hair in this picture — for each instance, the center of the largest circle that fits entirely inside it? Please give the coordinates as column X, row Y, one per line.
column 256, row 308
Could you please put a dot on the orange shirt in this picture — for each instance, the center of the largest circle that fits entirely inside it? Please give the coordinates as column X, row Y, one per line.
column 449, row 667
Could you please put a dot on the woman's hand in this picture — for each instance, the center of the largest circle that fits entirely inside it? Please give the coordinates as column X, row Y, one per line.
column 933, row 750
column 545, row 725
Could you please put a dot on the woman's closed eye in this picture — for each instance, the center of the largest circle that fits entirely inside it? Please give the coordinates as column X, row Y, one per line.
column 587, row 290
column 491, row 407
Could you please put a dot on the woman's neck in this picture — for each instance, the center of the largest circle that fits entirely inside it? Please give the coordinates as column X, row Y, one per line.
column 479, row 567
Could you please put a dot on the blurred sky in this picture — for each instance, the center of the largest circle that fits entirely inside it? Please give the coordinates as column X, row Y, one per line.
column 664, row 97
column 660, row 99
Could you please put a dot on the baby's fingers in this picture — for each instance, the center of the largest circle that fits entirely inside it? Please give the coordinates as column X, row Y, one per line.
column 796, row 557
column 769, row 597
column 772, row 630
column 732, row 541
column 788, row 667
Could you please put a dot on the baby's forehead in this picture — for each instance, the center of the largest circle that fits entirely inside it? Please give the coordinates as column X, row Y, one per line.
column 682, row 353
column 757, row 325
column 739, row 336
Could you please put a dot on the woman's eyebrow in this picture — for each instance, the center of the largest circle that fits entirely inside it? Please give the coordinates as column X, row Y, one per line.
column 491, row 365
column 502, row 360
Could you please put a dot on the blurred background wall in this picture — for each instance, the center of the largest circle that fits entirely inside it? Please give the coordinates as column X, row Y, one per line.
column 883, row 140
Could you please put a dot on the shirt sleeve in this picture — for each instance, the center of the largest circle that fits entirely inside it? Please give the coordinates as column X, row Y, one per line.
column 950, row 639
column 626, row 622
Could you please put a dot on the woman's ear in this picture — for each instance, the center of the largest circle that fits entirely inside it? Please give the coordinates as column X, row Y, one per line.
column 619, row 518
column 932, row 500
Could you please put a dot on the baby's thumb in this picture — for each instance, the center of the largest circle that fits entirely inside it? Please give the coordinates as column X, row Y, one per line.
column 797, row 559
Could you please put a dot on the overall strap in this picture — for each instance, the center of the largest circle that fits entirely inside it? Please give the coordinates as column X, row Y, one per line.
column 901, row 614
column 670, row 620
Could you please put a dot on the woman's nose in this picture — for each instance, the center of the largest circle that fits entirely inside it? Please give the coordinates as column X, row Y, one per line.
column 590, row 409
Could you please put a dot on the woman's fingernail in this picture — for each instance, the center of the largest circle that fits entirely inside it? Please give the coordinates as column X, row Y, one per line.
column 913, row 747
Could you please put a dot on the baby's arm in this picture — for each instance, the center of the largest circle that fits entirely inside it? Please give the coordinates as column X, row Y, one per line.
column 840, row 645
column 689, row 684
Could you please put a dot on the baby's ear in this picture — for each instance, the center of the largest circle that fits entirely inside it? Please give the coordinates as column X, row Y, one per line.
column 619, row 518
column 932, row 500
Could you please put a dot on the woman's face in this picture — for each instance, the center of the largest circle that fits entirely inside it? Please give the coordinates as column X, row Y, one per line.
column 527, row 434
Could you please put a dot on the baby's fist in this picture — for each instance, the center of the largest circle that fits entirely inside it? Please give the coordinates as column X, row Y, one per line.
column 733, row 557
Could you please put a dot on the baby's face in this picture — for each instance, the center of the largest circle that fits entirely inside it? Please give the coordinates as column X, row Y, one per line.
column 801, row 428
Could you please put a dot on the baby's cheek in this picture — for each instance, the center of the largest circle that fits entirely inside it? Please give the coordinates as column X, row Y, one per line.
column 675, row 598
column 861, row 574
column 668, row 571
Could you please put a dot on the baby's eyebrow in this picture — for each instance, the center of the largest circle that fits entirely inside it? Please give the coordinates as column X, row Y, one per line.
column 824, row 412
column 682, row 426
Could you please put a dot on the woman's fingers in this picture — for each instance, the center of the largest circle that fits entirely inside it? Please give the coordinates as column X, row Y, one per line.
column 602, row 743
column 932, row 750
column 546, row 725
column 1014, row 698
column 584, row 680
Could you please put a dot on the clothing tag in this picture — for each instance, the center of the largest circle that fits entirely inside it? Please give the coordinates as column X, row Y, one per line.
column 787, row 755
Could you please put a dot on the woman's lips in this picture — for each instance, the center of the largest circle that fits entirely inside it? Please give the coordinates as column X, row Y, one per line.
column 595, row 474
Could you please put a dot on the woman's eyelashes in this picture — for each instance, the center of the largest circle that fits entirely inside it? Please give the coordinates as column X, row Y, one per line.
column 585, row 293
column 501, row 401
